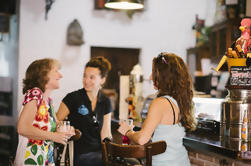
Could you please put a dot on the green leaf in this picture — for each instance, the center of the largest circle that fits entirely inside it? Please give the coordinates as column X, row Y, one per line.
column 53, row 125
column 40, row 160
column 29, row 144
column 30, row 162
column 42, row 147
column 34, row 149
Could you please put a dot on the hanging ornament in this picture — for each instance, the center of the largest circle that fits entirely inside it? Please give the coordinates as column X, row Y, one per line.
column 75, row 34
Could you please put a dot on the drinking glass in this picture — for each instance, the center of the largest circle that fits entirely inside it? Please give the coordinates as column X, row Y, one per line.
column 125, row 139
column 64, row 126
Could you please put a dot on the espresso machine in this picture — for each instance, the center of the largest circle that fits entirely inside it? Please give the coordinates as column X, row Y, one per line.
column 236, row 115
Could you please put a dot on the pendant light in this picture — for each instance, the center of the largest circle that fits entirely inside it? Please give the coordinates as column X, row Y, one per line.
column 124, row 4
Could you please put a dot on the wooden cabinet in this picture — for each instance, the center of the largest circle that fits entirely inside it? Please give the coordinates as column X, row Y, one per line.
column 198, row 53
column 222, row 37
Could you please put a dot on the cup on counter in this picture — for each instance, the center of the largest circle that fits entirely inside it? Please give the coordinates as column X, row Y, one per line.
column 125, row 139
column 129, row 121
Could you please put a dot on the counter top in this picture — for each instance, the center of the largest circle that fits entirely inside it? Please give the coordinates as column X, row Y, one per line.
column 209, row 142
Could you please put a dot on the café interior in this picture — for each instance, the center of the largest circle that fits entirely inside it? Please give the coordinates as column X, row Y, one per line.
column 200, row 32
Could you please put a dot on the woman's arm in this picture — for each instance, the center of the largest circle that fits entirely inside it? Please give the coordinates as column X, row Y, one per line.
column 63, row 112
column 25, row 126
column 106, row 128
column 154, row 116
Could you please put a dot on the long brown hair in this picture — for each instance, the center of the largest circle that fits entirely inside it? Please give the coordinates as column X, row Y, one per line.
column 171, row 77
column 37, row 74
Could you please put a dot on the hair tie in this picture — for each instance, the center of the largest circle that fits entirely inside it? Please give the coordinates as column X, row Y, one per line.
column 163, row 58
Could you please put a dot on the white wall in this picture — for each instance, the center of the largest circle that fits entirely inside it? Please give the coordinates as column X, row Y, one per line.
column 165, row 25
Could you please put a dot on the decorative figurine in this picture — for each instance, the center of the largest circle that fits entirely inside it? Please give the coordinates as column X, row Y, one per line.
column 240, row 54
column 75, row 34
column 244, row 40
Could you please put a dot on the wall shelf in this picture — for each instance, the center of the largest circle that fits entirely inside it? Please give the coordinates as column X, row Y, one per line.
column 222, row 36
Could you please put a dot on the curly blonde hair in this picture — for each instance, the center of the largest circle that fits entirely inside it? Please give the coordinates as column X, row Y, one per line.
column 171, row 76
column 37, row 74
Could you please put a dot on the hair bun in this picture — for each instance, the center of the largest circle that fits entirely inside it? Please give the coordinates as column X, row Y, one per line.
column 100, row 62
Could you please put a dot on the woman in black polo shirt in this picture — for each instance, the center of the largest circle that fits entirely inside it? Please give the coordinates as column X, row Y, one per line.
column 89, row 111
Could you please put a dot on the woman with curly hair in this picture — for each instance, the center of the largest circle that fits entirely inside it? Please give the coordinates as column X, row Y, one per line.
column 37, row 121
column 170, row 114
column 89, row 111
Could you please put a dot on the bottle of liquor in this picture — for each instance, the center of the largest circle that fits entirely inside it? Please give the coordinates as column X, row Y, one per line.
column 242, row 8
column 244, row 146
column 241, row 53
column 232, row 9
column 244, row 129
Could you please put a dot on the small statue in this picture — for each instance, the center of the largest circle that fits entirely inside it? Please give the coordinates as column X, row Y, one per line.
column 244, row 40
column 240, row 52
column 75, row 34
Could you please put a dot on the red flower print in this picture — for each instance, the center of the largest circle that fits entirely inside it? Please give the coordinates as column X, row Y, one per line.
column 42, row 113
column 44, row 128
column 32, row 141
column 35, row 92
column 38, row 142
column 36, row 125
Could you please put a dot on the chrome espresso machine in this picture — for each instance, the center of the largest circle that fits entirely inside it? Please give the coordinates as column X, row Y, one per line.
column 236, row 115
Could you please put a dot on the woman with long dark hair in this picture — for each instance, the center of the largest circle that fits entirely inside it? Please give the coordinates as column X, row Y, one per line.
column 170, row 114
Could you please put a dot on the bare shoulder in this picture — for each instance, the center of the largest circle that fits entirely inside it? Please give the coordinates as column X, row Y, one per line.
column 160, row 101
column 159, row 104
column 31, row 104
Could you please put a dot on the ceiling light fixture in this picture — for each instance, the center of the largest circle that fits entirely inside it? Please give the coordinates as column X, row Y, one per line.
column 124, row 4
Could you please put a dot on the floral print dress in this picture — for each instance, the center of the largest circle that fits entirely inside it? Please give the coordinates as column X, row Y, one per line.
column 37, row 152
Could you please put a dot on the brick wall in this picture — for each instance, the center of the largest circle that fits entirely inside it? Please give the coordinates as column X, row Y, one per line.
column 209, row 159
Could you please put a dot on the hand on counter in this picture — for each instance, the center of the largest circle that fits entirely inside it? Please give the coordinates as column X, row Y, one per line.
column 125, row 127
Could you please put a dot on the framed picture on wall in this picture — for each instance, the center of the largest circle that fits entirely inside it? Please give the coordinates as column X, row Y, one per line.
column 99, row 4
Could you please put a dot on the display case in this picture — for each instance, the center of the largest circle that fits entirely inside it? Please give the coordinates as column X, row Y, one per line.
column 208, row 114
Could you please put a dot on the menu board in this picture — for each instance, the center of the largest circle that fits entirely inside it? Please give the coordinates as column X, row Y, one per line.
column 240, row 76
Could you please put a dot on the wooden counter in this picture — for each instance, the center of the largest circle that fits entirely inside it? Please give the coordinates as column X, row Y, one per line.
column 208, row 149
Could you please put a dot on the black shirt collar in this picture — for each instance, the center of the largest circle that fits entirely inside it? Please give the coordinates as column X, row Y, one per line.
column 100, row 95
